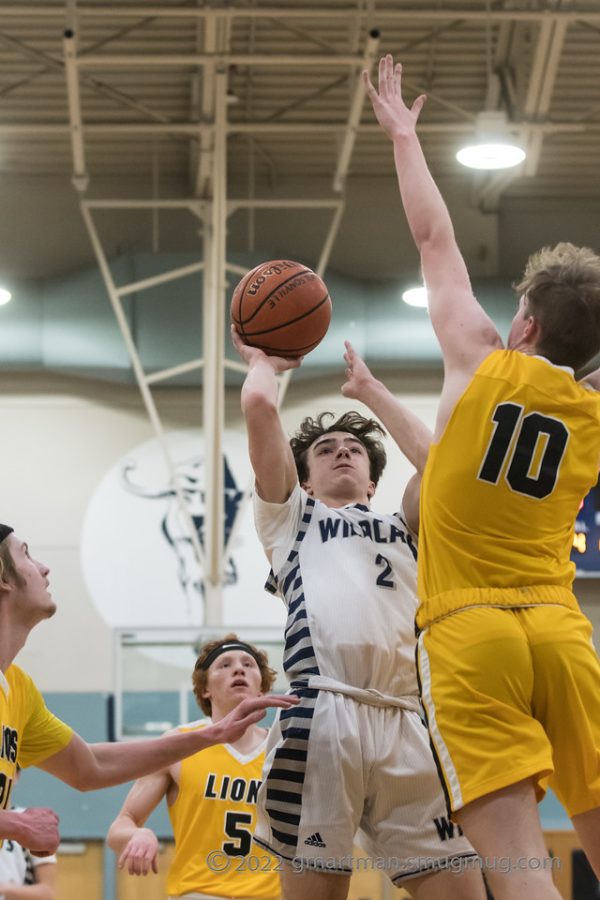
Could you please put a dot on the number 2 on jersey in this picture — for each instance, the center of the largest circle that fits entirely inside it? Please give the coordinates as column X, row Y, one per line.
column 530, row 430
column 384, row 579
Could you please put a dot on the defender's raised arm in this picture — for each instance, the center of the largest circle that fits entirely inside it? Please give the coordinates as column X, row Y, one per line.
column 465, row 332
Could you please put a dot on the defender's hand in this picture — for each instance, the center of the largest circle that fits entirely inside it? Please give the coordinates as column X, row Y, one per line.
column 358, row 375
column 394, row 116
column 248, row 712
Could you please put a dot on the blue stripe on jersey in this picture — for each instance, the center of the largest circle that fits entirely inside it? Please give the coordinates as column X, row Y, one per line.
column 300, row 734
column 299, row 658
column 285, row 779
column 289, row 578
column 295, row 663
column 289, row 753
column 284, row 838
column 292, row 639
column 301, row 614
column 296, row 602
column 287, row 817
column 286, row 775
column 284, row 796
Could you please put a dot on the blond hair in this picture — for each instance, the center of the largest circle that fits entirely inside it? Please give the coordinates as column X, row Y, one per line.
column 561, row 285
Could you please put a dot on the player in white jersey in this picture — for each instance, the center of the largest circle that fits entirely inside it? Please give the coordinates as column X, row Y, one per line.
column 355, row 753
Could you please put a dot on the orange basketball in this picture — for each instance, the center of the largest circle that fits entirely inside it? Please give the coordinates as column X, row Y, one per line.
column 281, row 307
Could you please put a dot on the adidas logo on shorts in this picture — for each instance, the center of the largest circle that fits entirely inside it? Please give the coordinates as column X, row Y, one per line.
column 315, row 840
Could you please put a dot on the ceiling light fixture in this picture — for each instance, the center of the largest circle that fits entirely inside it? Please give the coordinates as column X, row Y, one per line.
column 494, row 147
column 416, row 296
column 5, row 296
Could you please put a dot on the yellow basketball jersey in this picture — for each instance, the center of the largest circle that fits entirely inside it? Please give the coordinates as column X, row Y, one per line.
column 502, row 487
column 213, row 821
column 30, row 733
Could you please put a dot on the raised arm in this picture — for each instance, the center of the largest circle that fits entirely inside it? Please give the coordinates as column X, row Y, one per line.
column 88, row 767
column 136, row 846
column 270, row 453
column 465, row 332
column 409, row 432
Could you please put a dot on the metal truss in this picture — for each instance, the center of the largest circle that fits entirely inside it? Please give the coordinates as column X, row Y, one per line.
column 210, row 204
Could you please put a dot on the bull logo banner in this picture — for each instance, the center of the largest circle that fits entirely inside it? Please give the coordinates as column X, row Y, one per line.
column 138, row 558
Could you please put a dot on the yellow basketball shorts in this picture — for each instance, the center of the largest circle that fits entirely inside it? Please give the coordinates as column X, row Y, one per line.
column 511, row 694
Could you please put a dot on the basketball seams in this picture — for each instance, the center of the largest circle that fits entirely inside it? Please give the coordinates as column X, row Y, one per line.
column 268, row 304
column 304, row 315
column 270, row 294
column 243, row 286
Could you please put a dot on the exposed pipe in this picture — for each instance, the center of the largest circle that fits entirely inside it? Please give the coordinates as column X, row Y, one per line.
column 356, row 105
column 140, row 377
column 80, row 177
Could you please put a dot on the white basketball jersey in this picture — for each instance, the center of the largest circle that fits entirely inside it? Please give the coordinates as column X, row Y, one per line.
column 348, row 579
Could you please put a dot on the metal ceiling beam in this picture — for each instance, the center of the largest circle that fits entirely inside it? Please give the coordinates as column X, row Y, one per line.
column 35, row 76
column 390, row 14
column 544, row 69
column 80, row 177
column 163, row 278
column 213, row 393
column 541, row 86
column 354, row 113
column 52, row 129
column 140, row 375
column 57, row 65
column 183, row 60
column 204, row 150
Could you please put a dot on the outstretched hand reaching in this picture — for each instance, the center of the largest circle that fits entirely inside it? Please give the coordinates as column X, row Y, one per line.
column 358, row 375
column 250, row 711
column 394, row 116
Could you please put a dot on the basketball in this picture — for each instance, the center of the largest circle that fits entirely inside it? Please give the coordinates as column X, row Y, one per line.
column 281, row 307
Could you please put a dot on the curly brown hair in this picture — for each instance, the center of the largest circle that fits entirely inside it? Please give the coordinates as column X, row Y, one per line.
column 200, row 675
column 562, row 292
column 366, row 430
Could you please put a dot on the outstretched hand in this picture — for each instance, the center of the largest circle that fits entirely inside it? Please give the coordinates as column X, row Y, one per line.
column 394, row 116
column 358, row 374
column 247, row 713
column 251, row 355
column 140, row 856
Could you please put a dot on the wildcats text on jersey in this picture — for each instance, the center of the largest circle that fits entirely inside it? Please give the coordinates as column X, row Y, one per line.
column 376, row 530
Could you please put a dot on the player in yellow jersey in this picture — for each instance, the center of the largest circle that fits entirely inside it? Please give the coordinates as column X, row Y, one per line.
column 509, row 677
column 31, row 735
column 211, row 796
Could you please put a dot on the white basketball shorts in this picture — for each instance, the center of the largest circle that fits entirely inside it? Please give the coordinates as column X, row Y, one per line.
column 335, row 766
